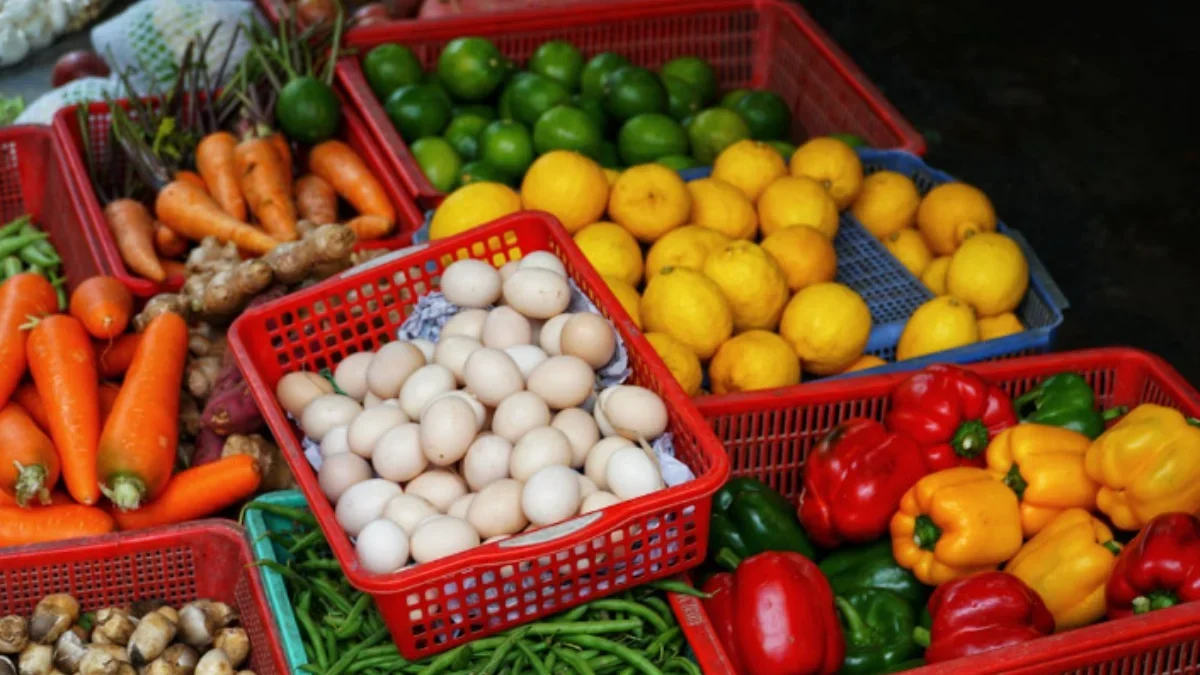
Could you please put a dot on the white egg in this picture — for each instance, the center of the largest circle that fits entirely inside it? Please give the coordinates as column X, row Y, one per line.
column 586, row 486
column 486, row 461
column 551, row 495
column 590, row 337
column 496, row 510
column 471, row 283
column 453, row 351
column 499, row 537
column 508, row 269
column 341, row 472
column 438, row 487
column 351, row 374
column 423, row 386
column 370, row 426
column 459, row 508
column 537, row 293
column 364, row 502
column 492, row 376
column 632, row 473
column 596, row 464
column 518, row 414
column 480, row 411
column 505, row 327
column 467, row 323
column 447, row 429
column 563, row 381
column 527, row 357
column 336, row 441
column 543, row 260
column 408, row 510
column 580, row 430
column 631, row 411
column 538, row 449
column 371, row 400
column 382, row 547
column 397, row 455
column 442, row 537
column 426, row 348
column 297, row 390
column 550, row 337
column 597, row 501
column 392, row 365
column 326, row 412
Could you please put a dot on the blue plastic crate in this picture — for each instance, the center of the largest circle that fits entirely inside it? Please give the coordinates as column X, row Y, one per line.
column 258, row 525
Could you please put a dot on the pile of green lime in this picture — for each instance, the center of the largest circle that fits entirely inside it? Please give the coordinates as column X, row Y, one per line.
column 478, row 117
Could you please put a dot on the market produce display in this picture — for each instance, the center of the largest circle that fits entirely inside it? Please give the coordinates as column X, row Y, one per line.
column 24, row 248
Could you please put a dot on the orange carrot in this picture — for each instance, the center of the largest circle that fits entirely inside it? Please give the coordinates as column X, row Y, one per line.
column 108, row 393
column 20, row 526
column 114, row 357
column 193, row 178
column 316, row 200
column 167, row 243
column 370, row 227
column 176, row 271
column 22, row 296
column 28, row 461
column 63, row 366
column 27, row 395
column 133, row 228
column 196, row 493
column 137, row 446
column 266, row 186
column 215, row 162
column 103, row 305
column 281, row 145
column 338, row 164
column 187, row 210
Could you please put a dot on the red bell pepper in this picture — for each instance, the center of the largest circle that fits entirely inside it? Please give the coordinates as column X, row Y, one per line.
column 720, row 609
column 1160, row 568
column 951, row 413
column 983, row 612
column 853, row 482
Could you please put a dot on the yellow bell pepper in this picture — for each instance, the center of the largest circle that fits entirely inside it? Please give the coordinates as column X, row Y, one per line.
column 954, row 523
column 1068, row 563
column 1044, row 466
column 1146, row 464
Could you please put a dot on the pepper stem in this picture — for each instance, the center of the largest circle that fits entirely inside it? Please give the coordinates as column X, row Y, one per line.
column 921, row 636
column 1153, row 601
column 1193, row 421
column 126, row 492
column 31, row 482
column 1112, row 546
column 1032, row 396
column 1111, row 414
column 1015, row 481
column 857, row 631
column 970, row 439
column 728, row 559
column 926, row 533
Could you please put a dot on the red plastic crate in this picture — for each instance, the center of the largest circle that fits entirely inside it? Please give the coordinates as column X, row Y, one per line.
column 438, row 605
column 769, row 436
column 751, row 43
column 204, row 559
column 31, row 175
column 70, row 142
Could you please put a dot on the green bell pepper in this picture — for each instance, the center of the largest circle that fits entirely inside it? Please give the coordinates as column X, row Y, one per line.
column 748, row 518
column 878, row 627
column 872, row 566
column 1065, row 400
column 903, row 666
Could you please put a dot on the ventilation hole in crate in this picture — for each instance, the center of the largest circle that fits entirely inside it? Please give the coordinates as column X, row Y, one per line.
column 415, row 615
column 368, row 290
column 431, row 594
column 582, row 564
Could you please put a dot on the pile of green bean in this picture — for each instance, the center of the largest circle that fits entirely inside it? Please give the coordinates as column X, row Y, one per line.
column 343, row 633
column 24, row 248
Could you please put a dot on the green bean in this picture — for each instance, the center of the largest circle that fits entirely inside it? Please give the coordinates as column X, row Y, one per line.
column 15, row 226
column 389, row 663
column 551, row 659
column 296, row 515
column 584, row 627
column 382, row 650
column 331, row 643
column 664, row 639
column 61, row 294
column 645, row 613
column 326, row 589
column 498, row 655
column 352, row 653
column 47, row 249
column 539, row 668
column 33, row 256
column 319, row 566
column 444, row 661
column 287, row 572
column 304, row 542
column 304, row 600
column 11, row 267
column 674, row 586
column 664, row 610
column 11, row 245
column 314, row 638
column 684, row 665
column 518, row 666
column 631, row 657
column 57, row 280
column 311, row 668
column 571, row 659
column 605, row 662
column 572, row 615
column 354, row 619
column 628, row 670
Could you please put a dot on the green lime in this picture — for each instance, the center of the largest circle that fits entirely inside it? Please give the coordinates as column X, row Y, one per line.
column 504, row 105
column 389, row 67
column 683, row 99
column 851, row 140
column 308, row 111
column 713, row 130
column 783, row 148
column 594, row 108
column 434, row 82
column 487, row 112
column 695, row 72
column 417, row 110
column 731, row 98
column 766, row 114
column 463, row 135
column 559, row 61
column 649, row 136
column 475, row 172
column 438, row 161
column 507, row 146
column 607, row 156
column 678, row 162
column 591, row 80
column 565, row 128
column 471, row 68
column 630, row 91
column 530, row 95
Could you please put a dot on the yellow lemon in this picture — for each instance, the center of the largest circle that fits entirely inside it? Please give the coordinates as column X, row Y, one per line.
column 612, row 251
column 942, row 323
column 833, row 164
column 628, row 296
column 567, row 185
column 611, row 175
column 866, row 362
column 950, row 213
column 793, row 200
column 992, row 327
column 887, row 202
column 689, row 307
column 649, row 200
column 934, row 276
column 910, row 249
column 989, row 272
column 752, row 283
column 471, row 206
column 827, row 325
column 756, row 359
column 720, row 206
column 805, row 255
column 750, row 166
column 680, row 360
column 688, row 246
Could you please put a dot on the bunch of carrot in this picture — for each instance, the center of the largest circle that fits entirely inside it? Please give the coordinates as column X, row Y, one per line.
column 105, row 440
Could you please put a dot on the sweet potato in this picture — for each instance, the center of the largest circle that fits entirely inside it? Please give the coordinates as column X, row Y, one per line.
column 208, row 447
